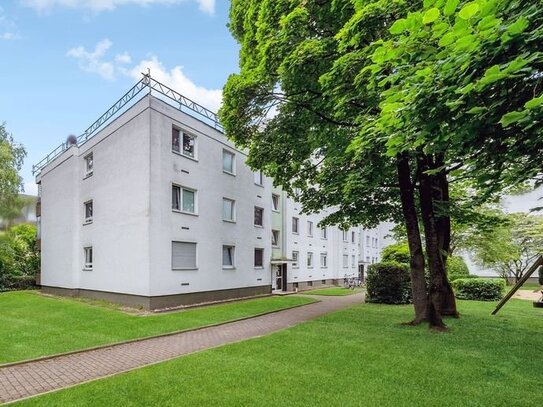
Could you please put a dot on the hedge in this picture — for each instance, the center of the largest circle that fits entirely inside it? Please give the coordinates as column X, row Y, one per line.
column 388, row 283
column 479, row 289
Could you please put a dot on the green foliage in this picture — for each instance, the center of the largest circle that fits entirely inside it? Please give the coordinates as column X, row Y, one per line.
column 397, row 252
column 479, row 289
column 457, row 268
column 388, row 283
column 19, row 257
column 11, row 161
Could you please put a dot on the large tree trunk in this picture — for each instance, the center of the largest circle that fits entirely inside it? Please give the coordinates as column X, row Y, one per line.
column 418, row 281
column 443, row 227
column 433, row 250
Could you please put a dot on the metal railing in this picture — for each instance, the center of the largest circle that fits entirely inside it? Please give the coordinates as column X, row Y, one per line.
column 147, row 82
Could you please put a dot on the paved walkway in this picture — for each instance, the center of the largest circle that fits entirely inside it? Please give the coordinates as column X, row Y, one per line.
column 32, row 378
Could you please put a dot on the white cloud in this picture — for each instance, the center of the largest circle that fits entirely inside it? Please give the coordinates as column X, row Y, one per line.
column 92, row 61
column 7, row 28
column 207, row 6
column 8, row 36
column 97, row 61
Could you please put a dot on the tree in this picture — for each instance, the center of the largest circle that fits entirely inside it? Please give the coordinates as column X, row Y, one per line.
column 511, row 247
column 11, row 161
column 19, row 255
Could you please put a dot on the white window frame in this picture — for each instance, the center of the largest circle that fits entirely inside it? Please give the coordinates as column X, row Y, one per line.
column 309, row 228
column 88, row 219
column 180, row 199
column 232, row 210
column 296, row 221
column 89, row 169
column 276, row 202
column 353, row 237
column 262, row 216
column 324, row 256
column 232, row 255
column 324, row 233
column 259, row 178
column 353, row 261
column 309, row 261
column 88, row 258
column 295, row 259
column 345, row 235
column 276, row 234
column 195, row 266
column 345, row 261
column 233, row 155
column 259, row 249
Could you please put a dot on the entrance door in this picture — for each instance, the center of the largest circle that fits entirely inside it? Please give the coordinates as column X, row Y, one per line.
column 361, row 272
column 280, row 274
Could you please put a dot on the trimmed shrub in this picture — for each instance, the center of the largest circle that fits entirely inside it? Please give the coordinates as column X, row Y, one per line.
column 398, row 252
column 457, row 268
column 388, row 283
column 480, row 289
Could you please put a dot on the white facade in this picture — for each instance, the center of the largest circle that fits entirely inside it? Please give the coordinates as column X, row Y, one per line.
column 122, row 212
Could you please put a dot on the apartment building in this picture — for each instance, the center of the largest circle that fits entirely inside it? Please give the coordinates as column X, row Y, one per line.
column 154, row 207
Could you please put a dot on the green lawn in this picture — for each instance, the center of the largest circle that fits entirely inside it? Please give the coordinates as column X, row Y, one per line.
column 32, row 325
column 360, row 356
column 530, row 286
column 332, row 291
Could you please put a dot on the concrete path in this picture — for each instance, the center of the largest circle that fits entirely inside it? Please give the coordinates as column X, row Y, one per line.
column 32, row 378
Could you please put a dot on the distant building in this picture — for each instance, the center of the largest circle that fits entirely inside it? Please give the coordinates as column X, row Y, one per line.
column 158, row 209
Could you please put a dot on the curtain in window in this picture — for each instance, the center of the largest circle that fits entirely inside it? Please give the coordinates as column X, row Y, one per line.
column 188, row 201
column 227, row 256
column 175, row 197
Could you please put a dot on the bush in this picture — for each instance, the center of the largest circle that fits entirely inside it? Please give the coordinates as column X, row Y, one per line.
column 19, row 257
column 388, row 283
column 479, row 289
column 22, row 283
column 540, row 271
column 398, row 252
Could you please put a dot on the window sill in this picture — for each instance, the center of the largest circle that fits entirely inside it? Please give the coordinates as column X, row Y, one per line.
column 185, row 212
column 309, row 235
column 276, row 210
column 295, row 233
column 259, row 185
column 87, row 269
column 324, row 267
column 87, row 222
column 184, row 268
column 184, row 155
column 233, row 174
column 275, row 246
column 228, row 268
column 229, row 221
column 259, row 226
column 259, row 267
column 87, row 175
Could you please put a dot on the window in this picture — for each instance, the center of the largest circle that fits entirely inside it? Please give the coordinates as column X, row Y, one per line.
column 176, row 145
column 309, row 228
column 309, row 259
column 367, row 240
column 228, row 162
column 183, row 199
column 228, row 256
column 367, row 259
column 376, row 242
column 228, row 210
column 183, row 143
column 89, row 165
column 275, row 202
column 259, row 216
column 345, row 236
column 275, row 238
column 353, row 237
column 259, row 257
column 259, row 178
column 295, row 224
column 88, row 212
column 88, row 258
column 324, row 260
column 345, row 260
column 183, row 256
column 295, row 256
column 324, row 233
column 353, row 261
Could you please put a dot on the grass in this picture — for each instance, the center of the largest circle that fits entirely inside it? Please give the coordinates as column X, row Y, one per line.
column 32, row 325
column 530, row 286
column 359, row 356
column 332, row 291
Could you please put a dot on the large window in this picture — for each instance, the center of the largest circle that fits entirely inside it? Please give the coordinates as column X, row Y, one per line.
column 228, row 210
column 184, row 256
column 309, row 228
column 88, row 258
column 295, row 256
column 89, row 165
column 183, row 143
column 228, row 162
column 259, row 216
column 88, row 211
column 259, row 178
column 345, row 260
column 324, row 260
column 183, row 199
column 228, row 253
column 259, row 257
column 295, row 225
column 275, row 202
column 275, row 238
column 309, row 259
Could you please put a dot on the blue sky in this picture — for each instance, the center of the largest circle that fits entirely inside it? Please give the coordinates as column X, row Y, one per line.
column 64, row 62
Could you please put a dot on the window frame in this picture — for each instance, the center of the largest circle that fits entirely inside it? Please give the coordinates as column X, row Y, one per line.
column 260, row 181
column 309, row 260
column 275, row 207
column 324, row 255
column 232, row 255
column 232, row 210
column 261, row 250
column 353, row 236
column 295, row 259
column 261, row 210
column 345, row 235
column 233, row 155
column 345, row 261
column 85, row 206
column 195, row 267
column 324, row 233
column 310, row 228
column 275, row 240
column 297, row 231
column 89, row 172
column 182, row 152
column 88, row 265
column 181, row 201
column 353, row 261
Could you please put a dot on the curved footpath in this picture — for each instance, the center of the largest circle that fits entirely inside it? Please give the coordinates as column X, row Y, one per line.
column 36, row 377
